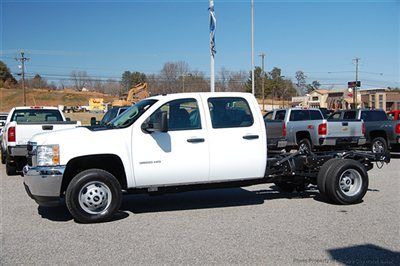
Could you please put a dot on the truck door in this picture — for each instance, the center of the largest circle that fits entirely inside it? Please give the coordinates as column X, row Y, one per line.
column 175, row 157
column 237, row 139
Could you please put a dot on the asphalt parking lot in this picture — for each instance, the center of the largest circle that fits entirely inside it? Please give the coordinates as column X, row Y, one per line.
column 253, row 225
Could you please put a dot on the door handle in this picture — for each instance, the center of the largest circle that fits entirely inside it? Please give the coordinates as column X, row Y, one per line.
column 345, row 124
column 195, row 140
column 47, row 127
column 251, row 137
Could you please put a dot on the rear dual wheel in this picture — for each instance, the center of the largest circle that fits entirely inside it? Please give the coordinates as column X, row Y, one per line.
column 343, row 181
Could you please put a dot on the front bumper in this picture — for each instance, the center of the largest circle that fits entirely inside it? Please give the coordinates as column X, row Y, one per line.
column 352, row 141
column 43, row 184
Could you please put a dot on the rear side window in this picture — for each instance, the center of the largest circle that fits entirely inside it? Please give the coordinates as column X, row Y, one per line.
column 183, row 114
column 36, row 115
column 280, row 115
column 315, row 115
column 335, row 116
column 373, row 116
column 229, row 112
column 269, row 116
column 299, row 115
column 349, row 115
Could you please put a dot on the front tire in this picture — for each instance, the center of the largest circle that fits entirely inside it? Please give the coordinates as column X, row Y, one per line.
column 93, row 196
column 346, row 182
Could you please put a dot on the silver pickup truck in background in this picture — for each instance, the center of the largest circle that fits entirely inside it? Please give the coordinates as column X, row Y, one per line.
column 307, row 130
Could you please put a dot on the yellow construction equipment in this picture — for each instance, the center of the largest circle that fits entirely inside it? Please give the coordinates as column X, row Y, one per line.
column 137, row 93
column 96, row 105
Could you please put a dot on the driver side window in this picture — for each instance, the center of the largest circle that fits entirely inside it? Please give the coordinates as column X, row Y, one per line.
column 182, row 114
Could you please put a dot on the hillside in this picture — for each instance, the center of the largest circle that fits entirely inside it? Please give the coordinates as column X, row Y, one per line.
column 14, row 97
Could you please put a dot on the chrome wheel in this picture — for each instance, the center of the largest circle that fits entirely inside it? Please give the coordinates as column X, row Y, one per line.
column 378, row 146
column 304, row 148
column 350, row 182
column 95, row 197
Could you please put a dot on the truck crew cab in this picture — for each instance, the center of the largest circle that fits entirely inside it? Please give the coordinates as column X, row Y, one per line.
column 178, row 142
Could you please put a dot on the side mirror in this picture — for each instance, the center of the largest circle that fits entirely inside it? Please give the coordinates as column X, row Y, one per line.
column 161, row 124
column 68, row 119
column 93, row 121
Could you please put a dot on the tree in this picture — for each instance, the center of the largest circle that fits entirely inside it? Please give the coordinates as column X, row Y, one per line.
column 130, row 79
column 301, row 82
column 257, row 81
column 37, row 82
column 315, row 85
column 5, row 75
column 81, row 79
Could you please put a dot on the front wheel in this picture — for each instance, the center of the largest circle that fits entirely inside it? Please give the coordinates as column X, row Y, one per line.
column 346, row 181
column 93, row 196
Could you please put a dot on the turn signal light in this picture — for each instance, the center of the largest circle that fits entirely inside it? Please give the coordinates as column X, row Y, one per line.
column 322, row 129
column 11, row 134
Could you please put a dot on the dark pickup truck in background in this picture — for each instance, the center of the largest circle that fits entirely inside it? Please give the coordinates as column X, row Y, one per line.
column 381, row 132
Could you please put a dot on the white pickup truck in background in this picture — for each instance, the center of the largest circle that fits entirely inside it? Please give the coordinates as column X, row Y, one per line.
column 180, row 142
column 23, row 123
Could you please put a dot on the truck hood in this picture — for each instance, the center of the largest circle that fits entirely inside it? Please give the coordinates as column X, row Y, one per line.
column 81, row 141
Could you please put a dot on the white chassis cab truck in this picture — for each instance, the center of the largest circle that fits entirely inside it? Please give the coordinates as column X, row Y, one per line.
column 179, row 142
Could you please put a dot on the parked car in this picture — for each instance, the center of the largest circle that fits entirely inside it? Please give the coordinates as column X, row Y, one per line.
column 21, row 124
column 108, row 116
column 307, row 130
column 179, row 142
column 380, row 131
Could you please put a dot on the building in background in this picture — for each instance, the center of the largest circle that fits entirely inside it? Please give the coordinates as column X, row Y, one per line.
column 380, row 98
column 342, row 99
column 301, row 101
column 318, row 99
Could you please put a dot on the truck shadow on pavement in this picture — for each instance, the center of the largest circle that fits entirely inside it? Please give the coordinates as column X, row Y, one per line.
column 367, row 254
column 206, row 199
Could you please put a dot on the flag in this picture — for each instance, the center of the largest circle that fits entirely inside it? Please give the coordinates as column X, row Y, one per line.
column 213, row 23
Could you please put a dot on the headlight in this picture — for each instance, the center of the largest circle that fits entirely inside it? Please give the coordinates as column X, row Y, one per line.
column 47, row 155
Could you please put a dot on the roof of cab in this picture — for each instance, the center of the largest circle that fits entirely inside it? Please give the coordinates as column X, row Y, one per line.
column 192, row 94
column 36, row 107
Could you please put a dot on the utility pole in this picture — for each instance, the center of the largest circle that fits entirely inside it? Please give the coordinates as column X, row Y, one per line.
column 262, row 55
column 356, row 60
column 252, row 48
column 183, row 82
column 23, row 59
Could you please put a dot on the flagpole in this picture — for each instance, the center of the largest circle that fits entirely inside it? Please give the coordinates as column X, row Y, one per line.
column 252, row 47
column 212, row 75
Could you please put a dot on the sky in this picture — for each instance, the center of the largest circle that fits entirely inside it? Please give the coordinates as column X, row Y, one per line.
column 106, row 38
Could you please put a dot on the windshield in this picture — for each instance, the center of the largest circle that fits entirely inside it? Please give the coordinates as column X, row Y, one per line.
column 132, row 114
